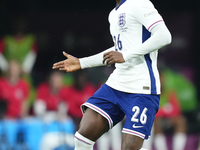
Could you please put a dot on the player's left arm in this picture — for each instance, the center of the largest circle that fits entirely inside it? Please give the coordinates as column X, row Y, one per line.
column 160, row 37
column 149, row 17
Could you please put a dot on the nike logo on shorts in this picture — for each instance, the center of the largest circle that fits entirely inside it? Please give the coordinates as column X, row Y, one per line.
column 134, row 126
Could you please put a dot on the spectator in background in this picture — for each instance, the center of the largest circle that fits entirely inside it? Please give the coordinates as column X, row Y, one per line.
column 22, row 47
column 52, row 107
column 49, row 97
column 169, row 114
column 185, row 89
column 81, row 90
column 19, row 46
column 15, row 91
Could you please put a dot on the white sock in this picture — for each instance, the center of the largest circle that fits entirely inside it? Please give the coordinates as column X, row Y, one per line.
column 82, row 143
column 143, row 149
column 179, row 141
column 160, row 142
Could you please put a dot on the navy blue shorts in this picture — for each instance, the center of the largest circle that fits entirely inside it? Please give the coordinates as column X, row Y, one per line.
column 114, row 105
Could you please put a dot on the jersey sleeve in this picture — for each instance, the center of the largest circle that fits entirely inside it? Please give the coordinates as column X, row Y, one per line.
column 160, row 37
column 94, row 60
column 146, row 14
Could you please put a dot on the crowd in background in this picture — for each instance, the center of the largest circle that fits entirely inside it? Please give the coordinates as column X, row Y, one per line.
column 47, row 115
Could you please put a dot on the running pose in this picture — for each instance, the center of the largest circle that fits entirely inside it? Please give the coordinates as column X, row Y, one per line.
column 133, row 89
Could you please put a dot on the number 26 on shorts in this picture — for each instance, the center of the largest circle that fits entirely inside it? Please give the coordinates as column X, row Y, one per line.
column 143, row 116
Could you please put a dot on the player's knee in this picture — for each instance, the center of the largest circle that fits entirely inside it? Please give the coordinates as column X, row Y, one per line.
column 82, row 143
column 93, row 125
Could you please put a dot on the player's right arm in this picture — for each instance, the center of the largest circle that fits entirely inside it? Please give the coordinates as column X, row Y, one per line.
column 73, row 64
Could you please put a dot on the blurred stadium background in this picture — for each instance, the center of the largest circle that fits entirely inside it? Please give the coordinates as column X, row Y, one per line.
column 81, row 28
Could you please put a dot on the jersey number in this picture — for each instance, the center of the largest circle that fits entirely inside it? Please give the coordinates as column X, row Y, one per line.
column 143, row 116
column 118, row 43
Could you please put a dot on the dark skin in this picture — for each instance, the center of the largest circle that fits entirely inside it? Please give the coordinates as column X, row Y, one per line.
column 72, row 63
column 93, row 125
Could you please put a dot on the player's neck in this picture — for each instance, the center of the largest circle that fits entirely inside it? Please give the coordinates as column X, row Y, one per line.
column 118, row 2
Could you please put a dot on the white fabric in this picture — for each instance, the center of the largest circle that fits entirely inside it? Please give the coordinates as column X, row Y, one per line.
column 29, row 61
column 179, row 141
column 81, row 142
column 95, row 60
column 160, row 37
column 138, row 74
column 3, row 63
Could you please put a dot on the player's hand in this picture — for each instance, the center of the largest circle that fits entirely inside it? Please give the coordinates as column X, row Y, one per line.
column 113, row 57
column 69, row 65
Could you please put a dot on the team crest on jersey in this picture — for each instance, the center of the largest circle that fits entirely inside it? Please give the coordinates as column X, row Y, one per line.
column 122, row 20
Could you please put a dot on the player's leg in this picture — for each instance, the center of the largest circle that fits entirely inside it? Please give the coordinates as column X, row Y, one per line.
column 92, row 126
column 131, row 142
column 101, row 113
column 140, row 114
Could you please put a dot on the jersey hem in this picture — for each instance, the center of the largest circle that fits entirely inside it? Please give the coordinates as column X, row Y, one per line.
column 132, row 91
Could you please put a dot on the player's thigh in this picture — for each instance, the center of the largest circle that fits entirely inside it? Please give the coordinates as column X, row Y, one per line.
column 131, row 142
column 93, row 125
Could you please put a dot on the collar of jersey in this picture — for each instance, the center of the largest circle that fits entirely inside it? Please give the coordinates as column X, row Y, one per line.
column 119, row 4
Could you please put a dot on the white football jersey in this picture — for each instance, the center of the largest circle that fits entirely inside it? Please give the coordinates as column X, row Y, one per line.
column 130, row 26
